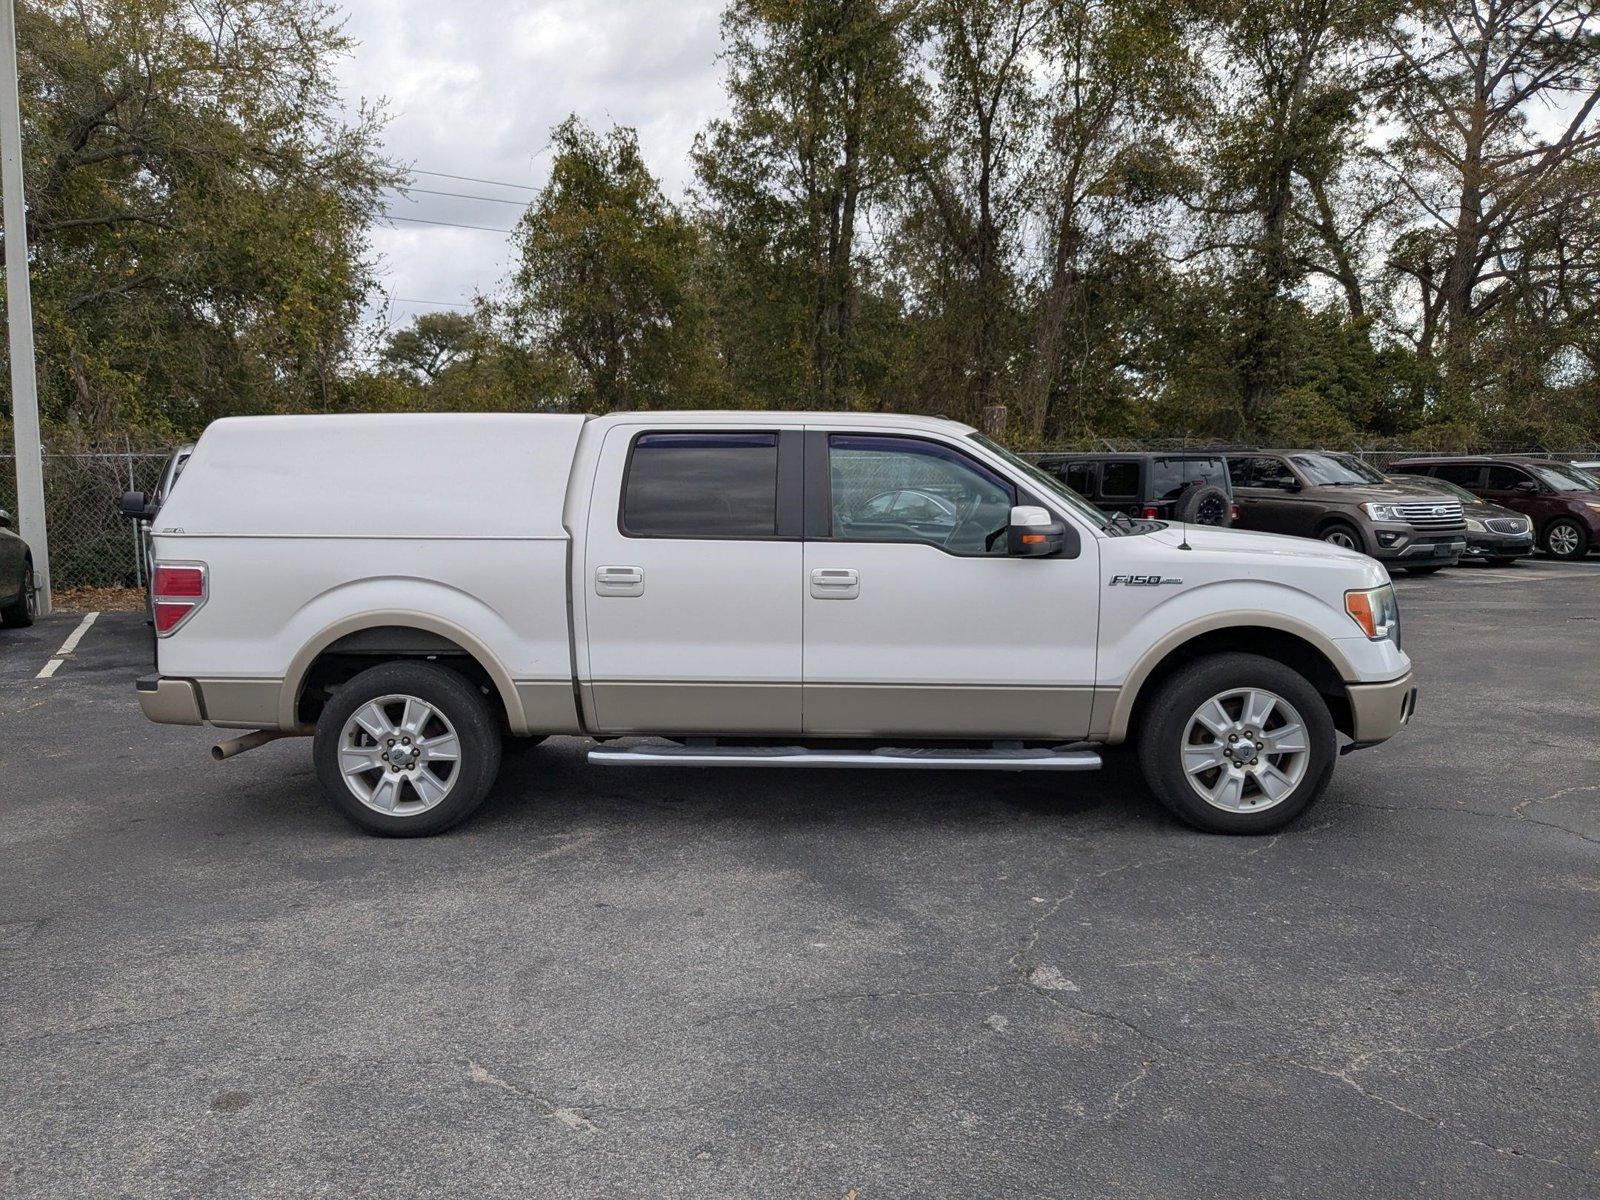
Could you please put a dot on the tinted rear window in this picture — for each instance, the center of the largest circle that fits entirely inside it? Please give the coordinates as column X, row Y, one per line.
column 1119, row 479
column 713, row 485
column 1170, row 476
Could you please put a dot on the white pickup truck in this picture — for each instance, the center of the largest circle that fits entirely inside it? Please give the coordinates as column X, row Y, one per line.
column 758, row 590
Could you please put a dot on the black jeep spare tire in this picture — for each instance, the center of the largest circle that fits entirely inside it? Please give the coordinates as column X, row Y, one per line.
column 407, row 749
column 1205, row 505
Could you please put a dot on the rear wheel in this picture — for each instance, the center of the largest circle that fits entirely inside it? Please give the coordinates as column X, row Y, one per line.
column 21, row 611
column 1566, row 539
column 1207, row 505
column 1237, row 743
column 1344, row 535
column 407, row 749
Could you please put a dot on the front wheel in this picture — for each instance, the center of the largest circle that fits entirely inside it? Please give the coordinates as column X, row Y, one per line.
column 1342, row 535
column 1237, row 743
column 1566, row 539
column 407, row 749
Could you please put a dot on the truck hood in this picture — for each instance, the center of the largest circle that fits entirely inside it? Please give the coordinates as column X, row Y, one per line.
column 1243, row 543
column 1392, row 492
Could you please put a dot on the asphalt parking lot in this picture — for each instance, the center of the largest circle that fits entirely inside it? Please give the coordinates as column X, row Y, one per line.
column 667, row 984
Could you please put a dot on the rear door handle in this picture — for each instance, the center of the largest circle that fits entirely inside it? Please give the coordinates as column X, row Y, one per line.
column 619, row 581
column 835, row 583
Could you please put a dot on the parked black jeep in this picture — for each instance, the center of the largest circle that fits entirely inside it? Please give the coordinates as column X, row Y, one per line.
column 1163, row 487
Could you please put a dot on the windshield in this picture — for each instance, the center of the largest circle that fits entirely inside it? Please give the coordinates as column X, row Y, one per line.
column 1047, row 482
column 1335, row 470
column 1560, row 479
column 1438, row 485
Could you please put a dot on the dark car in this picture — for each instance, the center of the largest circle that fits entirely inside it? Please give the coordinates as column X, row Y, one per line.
column 17, row 596
column 1341, row 500
column 1494, row 535
column 1562, row 501
column 1163, row 487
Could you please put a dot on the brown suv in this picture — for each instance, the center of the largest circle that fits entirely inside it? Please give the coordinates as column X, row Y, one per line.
column 1341, row 500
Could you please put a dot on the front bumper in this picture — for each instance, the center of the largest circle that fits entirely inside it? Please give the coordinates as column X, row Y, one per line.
column 1498, row 545
column 1378, row 711
column 170, row 701
column 1400, row 543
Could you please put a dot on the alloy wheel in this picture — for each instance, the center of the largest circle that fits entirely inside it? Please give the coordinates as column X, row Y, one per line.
column 1341, row 537
column 1562, row 540
column 1245, row 750
column 399, row 755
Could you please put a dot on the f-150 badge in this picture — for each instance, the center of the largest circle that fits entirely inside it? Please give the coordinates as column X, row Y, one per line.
column 1143, row 580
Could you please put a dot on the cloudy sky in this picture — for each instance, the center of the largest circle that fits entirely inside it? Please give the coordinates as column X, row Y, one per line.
column 473, row 88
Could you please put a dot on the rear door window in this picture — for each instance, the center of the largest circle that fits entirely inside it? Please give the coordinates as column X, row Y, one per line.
column 702, row 485
column 1119, row 480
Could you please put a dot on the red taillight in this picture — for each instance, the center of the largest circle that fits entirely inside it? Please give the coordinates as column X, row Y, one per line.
column 178, row 591
column 1150, row 514
column 176, row 582
column 1233, row 512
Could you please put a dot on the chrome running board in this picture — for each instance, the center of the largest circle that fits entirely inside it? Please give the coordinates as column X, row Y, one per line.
column 933, row 759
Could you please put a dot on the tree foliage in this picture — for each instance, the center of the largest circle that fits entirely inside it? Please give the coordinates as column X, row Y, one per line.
column 1275, row 220
column 197, row 207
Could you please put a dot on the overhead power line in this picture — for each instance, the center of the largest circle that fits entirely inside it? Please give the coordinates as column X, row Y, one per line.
column 440, row 303
column 461, row 195
column 474, row 179
column 446, row 224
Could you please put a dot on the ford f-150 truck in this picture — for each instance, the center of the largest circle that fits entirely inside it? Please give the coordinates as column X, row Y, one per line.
column 742, row 589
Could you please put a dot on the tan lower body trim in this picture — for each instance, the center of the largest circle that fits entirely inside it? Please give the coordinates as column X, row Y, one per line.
column 947, row 710
column 549, row 705
column 1379, row 710
column 633, row 706
column 241, row 703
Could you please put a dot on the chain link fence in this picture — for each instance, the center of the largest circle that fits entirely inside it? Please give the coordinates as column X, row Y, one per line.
column 91, row 545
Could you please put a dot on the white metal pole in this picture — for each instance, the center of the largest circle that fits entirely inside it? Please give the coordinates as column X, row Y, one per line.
column 19, row 313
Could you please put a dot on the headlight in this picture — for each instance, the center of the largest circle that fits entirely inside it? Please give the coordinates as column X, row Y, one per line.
column 1475, row 525
column 1382, row 512
column 1376, row 611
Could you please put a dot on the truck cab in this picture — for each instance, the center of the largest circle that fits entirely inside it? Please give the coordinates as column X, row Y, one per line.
column 752, row 589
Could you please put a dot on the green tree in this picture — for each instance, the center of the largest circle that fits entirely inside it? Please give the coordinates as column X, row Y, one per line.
column 822, row 112
column 198, row 207
column 608, row 279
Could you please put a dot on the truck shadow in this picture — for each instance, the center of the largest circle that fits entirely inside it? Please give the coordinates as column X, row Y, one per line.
column 555, row 781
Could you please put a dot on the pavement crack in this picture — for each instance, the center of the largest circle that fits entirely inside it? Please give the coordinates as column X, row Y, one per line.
column 569, row 1118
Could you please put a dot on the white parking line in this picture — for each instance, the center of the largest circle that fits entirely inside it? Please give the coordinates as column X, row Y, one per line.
column 67, row 647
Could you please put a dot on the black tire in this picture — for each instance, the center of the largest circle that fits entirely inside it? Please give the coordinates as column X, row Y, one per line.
column 1433, row 570
column 19, row 613
column 1576, row 541
column 1342, row 533
column 454, row 698
column 1205, row 505
column 1178, row 699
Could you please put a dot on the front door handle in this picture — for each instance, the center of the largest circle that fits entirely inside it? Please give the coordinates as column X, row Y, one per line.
column 835, row 583
column 619, row 581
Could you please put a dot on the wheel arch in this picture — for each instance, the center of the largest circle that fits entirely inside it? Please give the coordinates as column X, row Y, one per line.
column 1331, row 520
column 367, row 633
column 1271, row 635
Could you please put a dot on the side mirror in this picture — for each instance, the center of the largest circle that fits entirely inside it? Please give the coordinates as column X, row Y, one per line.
column 1291, row 485
column 1525, row 486
column 134, row 506
column 1034, row 533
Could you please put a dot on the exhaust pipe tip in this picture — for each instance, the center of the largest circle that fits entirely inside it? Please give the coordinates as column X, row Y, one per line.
column 230, row 747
